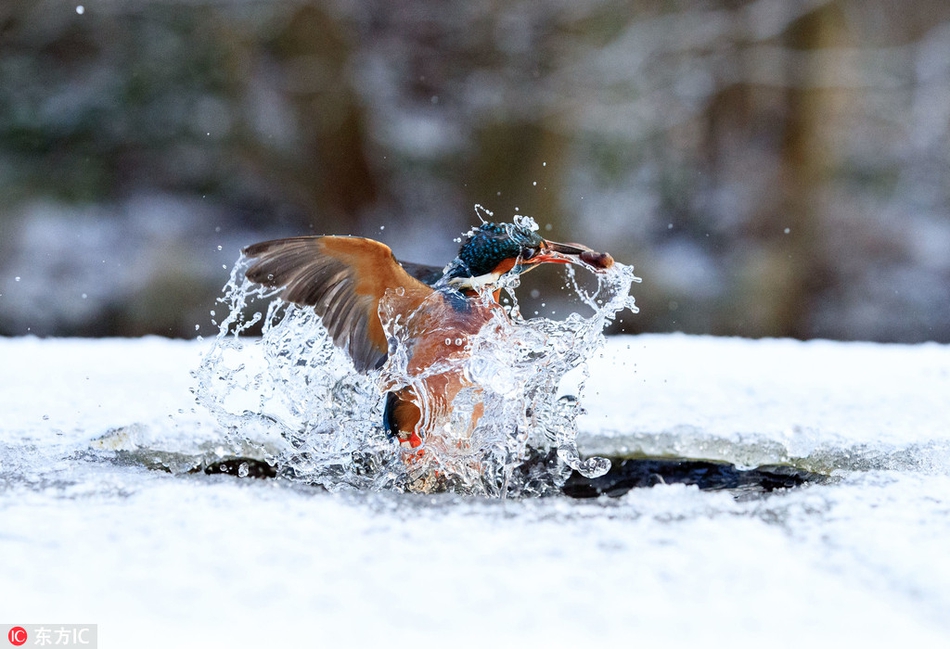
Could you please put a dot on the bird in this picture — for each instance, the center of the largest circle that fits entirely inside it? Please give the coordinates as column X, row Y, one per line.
column 359, row 289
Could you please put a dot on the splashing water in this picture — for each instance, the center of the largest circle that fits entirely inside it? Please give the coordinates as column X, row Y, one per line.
column 297, row 395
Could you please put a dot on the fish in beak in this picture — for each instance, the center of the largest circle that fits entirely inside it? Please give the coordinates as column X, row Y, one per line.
column 566, row 253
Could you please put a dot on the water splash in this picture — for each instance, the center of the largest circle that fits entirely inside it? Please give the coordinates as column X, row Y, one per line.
column 297, row 395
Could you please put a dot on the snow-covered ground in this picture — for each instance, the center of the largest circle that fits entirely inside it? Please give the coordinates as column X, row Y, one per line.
column 88, row 534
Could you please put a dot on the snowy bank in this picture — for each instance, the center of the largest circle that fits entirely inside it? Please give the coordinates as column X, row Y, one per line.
column 91, row 535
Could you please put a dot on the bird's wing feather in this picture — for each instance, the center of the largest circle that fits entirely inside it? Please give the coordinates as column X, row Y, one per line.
column 426, row 274
column 343, row 279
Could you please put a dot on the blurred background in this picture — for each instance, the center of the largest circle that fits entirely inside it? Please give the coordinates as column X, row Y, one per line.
column 771, row 168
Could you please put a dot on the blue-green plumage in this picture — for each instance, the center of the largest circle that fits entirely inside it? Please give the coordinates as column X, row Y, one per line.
column 489, row 246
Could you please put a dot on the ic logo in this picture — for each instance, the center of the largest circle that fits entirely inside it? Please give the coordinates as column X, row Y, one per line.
column 17, row 636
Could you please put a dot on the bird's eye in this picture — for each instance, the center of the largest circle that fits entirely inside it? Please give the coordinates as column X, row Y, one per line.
column 528, row 253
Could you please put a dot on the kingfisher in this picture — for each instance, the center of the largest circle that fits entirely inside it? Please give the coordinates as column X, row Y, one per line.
column 358, row 288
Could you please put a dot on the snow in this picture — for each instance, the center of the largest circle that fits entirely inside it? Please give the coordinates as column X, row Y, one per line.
column 157, row 558
column 772, row 400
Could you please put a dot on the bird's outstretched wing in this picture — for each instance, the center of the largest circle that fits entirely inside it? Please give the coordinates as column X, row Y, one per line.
column 343, row 279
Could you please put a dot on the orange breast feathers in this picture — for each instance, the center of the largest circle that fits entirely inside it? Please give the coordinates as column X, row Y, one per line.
column 438, row 332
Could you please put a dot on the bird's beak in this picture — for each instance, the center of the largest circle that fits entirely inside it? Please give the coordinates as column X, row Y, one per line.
column 569, row 253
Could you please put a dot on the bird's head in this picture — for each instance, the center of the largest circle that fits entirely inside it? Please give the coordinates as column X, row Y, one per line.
column 495, row 250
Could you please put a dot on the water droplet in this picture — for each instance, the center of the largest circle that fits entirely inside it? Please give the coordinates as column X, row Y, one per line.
column 243, row 470
column 80, row 9
column 220, row 247
column 788, row 230
column 16, row 279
